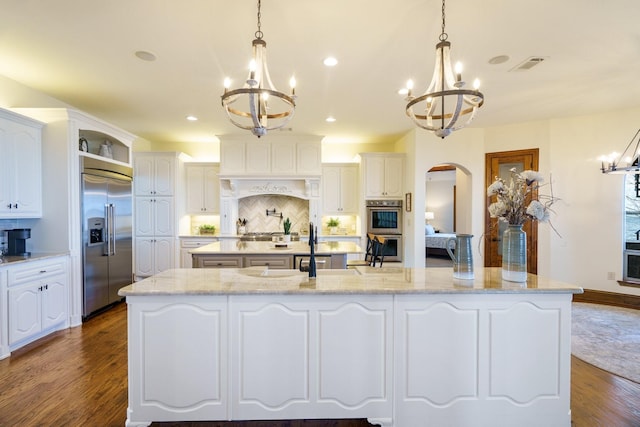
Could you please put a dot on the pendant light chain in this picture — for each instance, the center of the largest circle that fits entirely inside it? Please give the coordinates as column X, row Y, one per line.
column 443, row 35
column 259, row 33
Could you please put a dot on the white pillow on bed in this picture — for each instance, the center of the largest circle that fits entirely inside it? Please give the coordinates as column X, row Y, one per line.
column 428, row 229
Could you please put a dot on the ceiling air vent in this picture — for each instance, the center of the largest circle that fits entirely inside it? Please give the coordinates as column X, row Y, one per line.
column 528, row 63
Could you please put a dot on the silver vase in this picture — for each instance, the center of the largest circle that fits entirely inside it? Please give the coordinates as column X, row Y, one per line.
column 514, row 254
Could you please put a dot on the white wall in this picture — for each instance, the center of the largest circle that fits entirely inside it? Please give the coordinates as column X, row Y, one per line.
column 464, row 150
column 590, row 214
column 590, row 217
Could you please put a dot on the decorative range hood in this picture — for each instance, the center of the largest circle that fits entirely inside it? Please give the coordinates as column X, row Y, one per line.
column 280, row 165
column 241, row 187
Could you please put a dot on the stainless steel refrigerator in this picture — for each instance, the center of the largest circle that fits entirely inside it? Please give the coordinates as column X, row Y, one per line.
column 106, row 233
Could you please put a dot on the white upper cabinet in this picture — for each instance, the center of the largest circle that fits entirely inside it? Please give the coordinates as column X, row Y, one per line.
column 258, row 158
column 340, row 189
column 383, row 175
column 154, row 174
column 262, row 158
column 20, row 166
column 309, row 158
column 203, row 188
column 283, row 158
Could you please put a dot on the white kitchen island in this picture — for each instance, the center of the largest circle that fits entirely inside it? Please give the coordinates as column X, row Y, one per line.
column 400, row 347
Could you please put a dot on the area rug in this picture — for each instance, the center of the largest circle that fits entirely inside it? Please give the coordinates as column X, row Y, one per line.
column 607, row 337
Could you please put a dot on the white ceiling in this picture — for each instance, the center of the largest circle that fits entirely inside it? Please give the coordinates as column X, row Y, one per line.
column 82, row 52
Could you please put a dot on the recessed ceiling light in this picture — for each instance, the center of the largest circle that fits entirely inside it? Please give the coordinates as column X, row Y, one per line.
column 192, row 118
column 330, row 61
column 330, row 119
column 145, row 55
column 500, row 59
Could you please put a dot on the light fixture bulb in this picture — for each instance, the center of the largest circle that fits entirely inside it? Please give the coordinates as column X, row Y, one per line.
column 476, row 84
column 227, row 82
column 292, row 82
column 330, row 61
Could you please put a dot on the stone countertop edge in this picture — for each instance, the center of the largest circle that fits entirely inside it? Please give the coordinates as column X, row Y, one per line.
column 35, row 256
column 364, row 281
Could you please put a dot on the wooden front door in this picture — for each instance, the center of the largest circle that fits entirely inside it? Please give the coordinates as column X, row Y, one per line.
column 500, row 164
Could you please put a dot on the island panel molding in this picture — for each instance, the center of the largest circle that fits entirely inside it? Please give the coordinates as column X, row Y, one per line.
column 401, row 347
column 182, row 342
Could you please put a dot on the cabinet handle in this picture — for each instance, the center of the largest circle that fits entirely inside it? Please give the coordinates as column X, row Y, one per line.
column 43, row 271
column 40, row 288
column 46, row 286
column 15, row 206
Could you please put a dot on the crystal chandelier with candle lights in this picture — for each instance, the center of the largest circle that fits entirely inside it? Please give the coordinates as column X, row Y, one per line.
column 258, row 106
column 446, row 106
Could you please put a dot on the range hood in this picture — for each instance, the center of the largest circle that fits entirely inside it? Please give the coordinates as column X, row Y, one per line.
column 276, row 165
column 241, row 187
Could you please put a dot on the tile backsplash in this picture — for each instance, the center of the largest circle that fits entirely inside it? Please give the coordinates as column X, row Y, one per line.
column 254, row 208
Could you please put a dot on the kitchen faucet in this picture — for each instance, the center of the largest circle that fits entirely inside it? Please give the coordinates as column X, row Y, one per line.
column 312, row 256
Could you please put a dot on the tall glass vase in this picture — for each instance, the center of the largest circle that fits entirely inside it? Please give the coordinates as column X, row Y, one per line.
column 514, row 254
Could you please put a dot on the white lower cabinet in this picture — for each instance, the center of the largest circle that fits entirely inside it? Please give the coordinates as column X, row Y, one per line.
column 179, row 371
column 187, row 244
column 154, row 255
column 323, row 358
column 37, row 300
column 499, row 360
column 413, row 360
column 290, row 358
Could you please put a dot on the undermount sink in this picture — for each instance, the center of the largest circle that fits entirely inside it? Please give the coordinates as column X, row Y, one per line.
column 279, row 273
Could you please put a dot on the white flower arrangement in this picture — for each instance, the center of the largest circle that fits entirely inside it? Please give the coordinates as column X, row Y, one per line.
column 518, row 201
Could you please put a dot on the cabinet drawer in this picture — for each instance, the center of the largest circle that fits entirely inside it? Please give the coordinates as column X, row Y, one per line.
column 36, row 270
column 218, row 262
column 271, row 261
column 193, row 243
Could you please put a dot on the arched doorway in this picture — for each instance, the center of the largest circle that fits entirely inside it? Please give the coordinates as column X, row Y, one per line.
column 448, row 198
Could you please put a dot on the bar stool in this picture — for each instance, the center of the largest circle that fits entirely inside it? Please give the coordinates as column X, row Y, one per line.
column 379, row 250
column 368, row 255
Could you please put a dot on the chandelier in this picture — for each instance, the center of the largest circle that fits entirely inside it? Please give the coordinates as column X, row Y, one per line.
column 445, row 106
column 258, row 106
column 627, row 162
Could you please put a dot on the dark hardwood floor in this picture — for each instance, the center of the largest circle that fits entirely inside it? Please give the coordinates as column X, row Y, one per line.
column 79, row 377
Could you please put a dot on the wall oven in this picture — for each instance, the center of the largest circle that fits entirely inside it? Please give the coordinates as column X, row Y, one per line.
column 393, row 251
column 384, row 217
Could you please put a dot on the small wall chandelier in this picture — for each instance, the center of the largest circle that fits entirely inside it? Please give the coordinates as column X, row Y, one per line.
column 627, row 162
column 445, row 106
column 266, row 107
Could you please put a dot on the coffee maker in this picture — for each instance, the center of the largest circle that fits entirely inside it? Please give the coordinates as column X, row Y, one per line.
column 17, row 239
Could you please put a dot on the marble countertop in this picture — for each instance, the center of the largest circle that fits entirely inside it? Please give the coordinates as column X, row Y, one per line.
column 228, row 247
column 35, row 256
column 362, row 280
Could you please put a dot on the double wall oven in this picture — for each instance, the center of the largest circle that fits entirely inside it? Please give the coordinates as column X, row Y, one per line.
column 384, row 218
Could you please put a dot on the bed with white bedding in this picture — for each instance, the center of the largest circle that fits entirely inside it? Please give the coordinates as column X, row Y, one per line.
column 436, row 243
